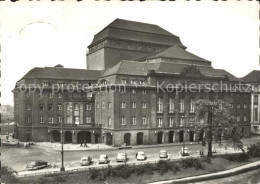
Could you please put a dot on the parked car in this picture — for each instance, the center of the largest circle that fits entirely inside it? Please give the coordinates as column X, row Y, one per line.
column 163, row 154
column 121, row 157
column 9, row 143
column 185, row 152
column 85, row 161
column 140, row 155
column 103, row 159
column 39, row 164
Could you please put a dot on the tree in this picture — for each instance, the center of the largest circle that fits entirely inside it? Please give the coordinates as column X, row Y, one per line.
column 220, row 124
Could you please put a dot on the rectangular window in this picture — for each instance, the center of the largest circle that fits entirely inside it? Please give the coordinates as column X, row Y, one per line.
column 41, row 119
column 255, row 114
column 109, row 121
column 97, row 105
column 192, row 106
column 171, row 105
column 28, row 107
column 103, row 105
column 76, row 120
column 124, row 81
column 245, row 118
column 144, row 120
column 144, row 91
column 245, row 106
column 238, row 118
column 159, row 122
column 133, row 120
column 181, row 105
column 67, row 107
column 133, row 105
column 133, row 91
column 51, row 120
column 50, row 106
column 28, row 119
column 159, row 105
column 59, row 95
column 59, row 119
column 109, row 105
column 88, row 119
column 123, row 120
column 171, row 121
column 122, row 104
column 181, row 121
column 144, row 105
column 50, row 95
column 255, row 98
column 238, row 106
column 68, row 120
column 59, row 107
column 122, row 89
column 88, row 106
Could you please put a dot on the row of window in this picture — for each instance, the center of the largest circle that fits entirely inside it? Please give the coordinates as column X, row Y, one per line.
column 59, row 119
column 88, row 106
column 239, row 119
column 123, row 120
column 50, row 95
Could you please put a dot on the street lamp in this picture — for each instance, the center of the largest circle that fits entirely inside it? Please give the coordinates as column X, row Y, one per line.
column 183, row 146
column 62, row 169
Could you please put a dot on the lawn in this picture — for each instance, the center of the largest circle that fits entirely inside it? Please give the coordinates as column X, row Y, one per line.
column 218, row 164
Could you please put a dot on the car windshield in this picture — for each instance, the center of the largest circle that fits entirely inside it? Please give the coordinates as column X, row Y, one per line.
column 121, row 154
column 103, row 156
column 140, row 153
column 163, row 151
column 32, row 163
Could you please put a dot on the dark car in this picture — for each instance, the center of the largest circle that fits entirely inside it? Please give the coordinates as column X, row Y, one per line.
column 39, row 164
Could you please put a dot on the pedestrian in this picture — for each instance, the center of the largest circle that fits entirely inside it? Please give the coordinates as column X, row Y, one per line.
column 85, row 143
column 18, row 144
column 81, row 143
column 29, row 144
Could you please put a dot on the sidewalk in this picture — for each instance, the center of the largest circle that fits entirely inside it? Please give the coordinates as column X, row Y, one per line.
column 222, row 174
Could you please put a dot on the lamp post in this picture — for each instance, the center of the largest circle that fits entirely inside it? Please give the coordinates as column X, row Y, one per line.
column 183, row 146
column 125, row 152
column 62, row 169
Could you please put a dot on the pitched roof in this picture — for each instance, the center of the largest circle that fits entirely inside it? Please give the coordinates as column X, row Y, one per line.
column 125, row 67
column 136, row 31
column 176, row 52
column 62, row 73
column 253, row 76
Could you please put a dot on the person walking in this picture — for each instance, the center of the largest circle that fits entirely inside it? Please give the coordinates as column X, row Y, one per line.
column 85, row 143
column 81, row 143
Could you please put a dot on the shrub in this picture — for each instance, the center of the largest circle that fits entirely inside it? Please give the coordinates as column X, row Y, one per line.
column 191, row 162
column 241, row 157
column 254, row 150
column 206, row 159
column 8, row 175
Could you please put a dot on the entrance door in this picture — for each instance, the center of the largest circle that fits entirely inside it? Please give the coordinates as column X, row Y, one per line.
column 109, row 139
column 159, row 137
column 171, row 134
column 181, row 136
column 127, row 139
column 55, row 136
column 191, row 136
column 68, row 137
column 84, row 136
column 97, row 138
column 140, row 136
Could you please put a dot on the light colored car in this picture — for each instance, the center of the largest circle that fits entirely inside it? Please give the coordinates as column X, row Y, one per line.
column 85, row 161
column 103, row 159
column 163, row 154
column 185, row 152
column 121, row 157
column 9, row 143
column 140, row 155
column 39, row 164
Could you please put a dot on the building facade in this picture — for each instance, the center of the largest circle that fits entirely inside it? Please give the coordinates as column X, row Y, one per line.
column 130, row 92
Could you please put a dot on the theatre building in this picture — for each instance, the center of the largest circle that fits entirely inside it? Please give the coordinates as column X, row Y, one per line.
column 132, row 72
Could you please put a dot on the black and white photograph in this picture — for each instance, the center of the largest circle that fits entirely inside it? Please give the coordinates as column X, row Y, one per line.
column 129, row 92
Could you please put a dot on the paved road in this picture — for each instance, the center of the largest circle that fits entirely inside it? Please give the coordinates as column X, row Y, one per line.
column 18, row 158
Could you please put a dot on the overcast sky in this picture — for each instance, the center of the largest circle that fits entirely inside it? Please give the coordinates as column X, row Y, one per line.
column 44, row 33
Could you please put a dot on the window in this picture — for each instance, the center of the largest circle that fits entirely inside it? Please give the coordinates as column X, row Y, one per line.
column 28, row 119
column 245, row 118
column 109, row 121
column 122, row 89
column 67, row 107
column 45, row 84
column 28, row 107
column 109, row 105
column 68, row 120
column 50, row 106
column 123, row 120
column 245, row 106
column 181, row 105
column 59, row 107
column 124, row 81
column 144, row 120
column 132, row 81
column 51, row 120
column 171, row 105
column 97, row 105
column 144, row 105
column 41, row 119
column 50, row 95
column 159, row 122
column 88, row 119
column 76, row 109
column 76, row 120
column 133, row 105
column 255, row 98
column 27, row 95
column 88, row 106
column 133, row 120
column 59, row 95
column 122, row 104
column 192, row 107
column 238, row 106
column 103, row 105
column 133, row 91
column 238, row 118
column 59, row 119
column 171, row 120
column 144, row 91
column 159, row 105
column 255, row 114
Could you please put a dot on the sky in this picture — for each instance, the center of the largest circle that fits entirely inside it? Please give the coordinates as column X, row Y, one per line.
column 46, row 33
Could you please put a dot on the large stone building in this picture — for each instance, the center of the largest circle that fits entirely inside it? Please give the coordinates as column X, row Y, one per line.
column 253, row 78
column 130, row 92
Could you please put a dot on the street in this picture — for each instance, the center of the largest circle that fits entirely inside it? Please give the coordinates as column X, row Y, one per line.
column 18, row 158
